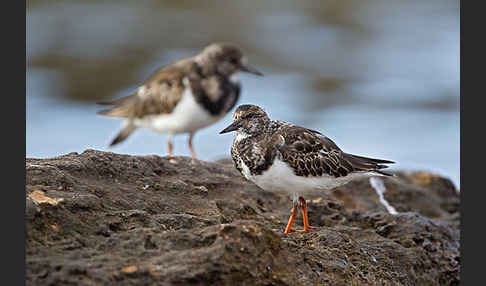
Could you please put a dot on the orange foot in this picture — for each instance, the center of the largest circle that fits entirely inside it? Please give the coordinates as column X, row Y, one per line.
column 302, row 230
column 293, row 214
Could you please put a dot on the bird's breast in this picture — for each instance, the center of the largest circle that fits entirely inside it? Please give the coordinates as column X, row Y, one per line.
column 187, row 116
column 217, row 94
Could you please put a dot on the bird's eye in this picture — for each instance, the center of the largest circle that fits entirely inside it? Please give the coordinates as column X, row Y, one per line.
column 234, row 61
column 250, row 116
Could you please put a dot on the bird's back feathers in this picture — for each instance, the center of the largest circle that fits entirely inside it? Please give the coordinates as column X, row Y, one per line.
column 310, row 153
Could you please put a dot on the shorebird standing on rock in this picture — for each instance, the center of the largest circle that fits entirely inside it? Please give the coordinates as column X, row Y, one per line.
column 184, row 96
column 280, row 156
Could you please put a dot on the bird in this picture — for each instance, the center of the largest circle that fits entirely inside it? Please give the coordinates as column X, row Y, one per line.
column 184, row 96
column 281, row 156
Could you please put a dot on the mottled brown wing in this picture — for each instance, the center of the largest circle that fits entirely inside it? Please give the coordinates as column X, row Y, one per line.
column 159, row 95
column 310, row 153
column 306, row 140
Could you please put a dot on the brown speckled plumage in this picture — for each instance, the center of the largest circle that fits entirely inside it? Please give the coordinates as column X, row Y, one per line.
column 164, row 89
column 207, row 74
column 280, row 156
column 306, row 151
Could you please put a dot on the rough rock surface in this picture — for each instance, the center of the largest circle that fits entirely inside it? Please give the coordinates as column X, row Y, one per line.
column 101, row 218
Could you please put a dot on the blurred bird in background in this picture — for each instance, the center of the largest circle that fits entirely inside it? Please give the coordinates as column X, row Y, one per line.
column 184, row 96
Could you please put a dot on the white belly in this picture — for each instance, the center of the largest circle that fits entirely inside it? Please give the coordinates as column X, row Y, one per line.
column 187, row 117
column 280, row 177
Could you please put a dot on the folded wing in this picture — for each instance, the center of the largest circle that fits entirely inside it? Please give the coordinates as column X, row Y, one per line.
column 159, row 95
column 310, row 153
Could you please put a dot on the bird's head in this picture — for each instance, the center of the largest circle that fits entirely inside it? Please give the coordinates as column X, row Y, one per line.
column 226, row 58
column 247, row 119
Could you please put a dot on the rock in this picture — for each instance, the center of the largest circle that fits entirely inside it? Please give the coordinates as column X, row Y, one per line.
column 100, row 218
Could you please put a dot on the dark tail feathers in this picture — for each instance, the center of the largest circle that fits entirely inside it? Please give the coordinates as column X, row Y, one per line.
column 123, row 134
column 378, row 161
column 369, row 164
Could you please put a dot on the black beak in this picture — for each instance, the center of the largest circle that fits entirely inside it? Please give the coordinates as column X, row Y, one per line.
column 249, row 69
column 232, row 127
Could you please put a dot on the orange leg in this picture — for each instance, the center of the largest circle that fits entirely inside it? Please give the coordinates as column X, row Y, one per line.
column 171, row 148
column 303, row 208
column 193, row 153
column 293, row 214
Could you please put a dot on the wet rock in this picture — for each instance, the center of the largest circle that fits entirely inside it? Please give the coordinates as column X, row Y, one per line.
column 101, row 218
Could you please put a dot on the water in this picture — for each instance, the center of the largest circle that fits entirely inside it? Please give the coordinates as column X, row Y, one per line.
column 381, row 78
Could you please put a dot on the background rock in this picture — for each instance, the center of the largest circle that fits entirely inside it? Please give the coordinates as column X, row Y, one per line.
column 100, row 218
